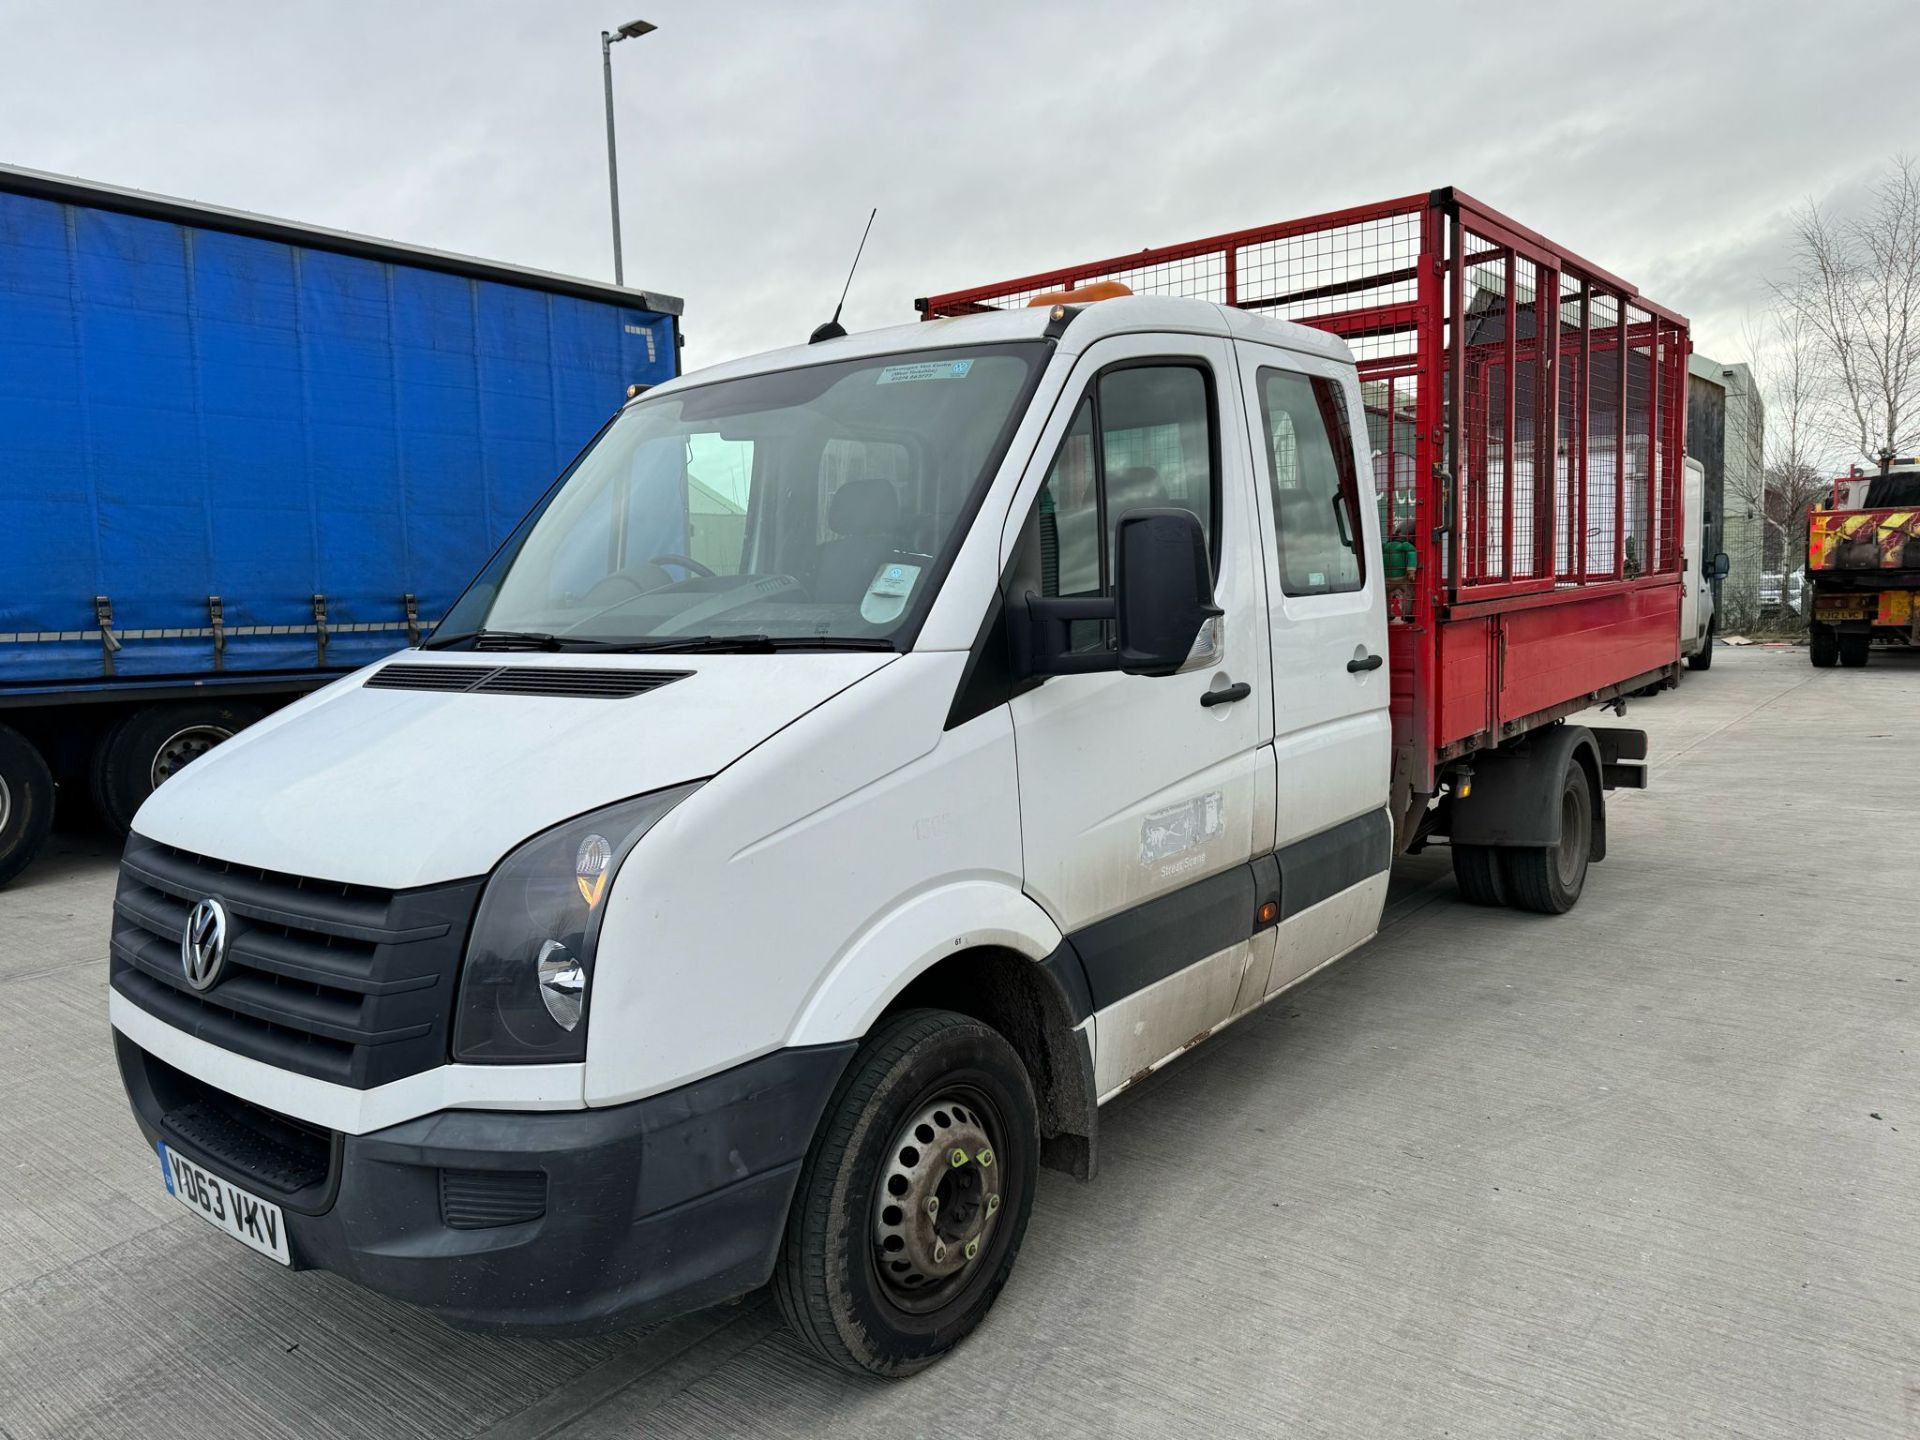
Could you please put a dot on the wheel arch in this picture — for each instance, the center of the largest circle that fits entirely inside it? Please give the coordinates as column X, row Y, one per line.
column 1515, row 799
column 982, row 948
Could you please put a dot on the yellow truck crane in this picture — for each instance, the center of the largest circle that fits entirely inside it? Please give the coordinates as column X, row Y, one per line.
column 1863, row 563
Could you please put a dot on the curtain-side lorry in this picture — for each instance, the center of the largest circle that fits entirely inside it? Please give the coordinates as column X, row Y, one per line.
column 668, row 923
column 240, row 457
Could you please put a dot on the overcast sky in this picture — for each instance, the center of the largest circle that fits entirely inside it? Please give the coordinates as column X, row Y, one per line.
column 1666, row 142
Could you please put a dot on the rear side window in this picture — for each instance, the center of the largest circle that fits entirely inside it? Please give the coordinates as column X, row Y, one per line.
column 1316, row 500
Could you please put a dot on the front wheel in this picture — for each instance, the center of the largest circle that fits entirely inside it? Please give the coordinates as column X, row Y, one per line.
column 914, row 1197
column 1702, row 659
column 1549, row 879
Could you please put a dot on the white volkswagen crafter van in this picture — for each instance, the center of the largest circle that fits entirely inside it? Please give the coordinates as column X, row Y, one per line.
column 867, row 759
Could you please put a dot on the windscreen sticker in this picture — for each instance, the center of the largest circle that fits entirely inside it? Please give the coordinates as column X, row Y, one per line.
column 887, row 595
column 1182, row 827
column 925, row 370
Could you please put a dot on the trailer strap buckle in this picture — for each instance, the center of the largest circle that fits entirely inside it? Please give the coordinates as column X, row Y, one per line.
column 412, row 603
column 109, row 642
column 320, row 627
column 217, row 618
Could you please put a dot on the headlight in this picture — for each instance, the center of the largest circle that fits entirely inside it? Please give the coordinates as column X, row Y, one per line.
column 523, row 988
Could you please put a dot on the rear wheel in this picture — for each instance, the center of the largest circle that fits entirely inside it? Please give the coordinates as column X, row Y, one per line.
column 149, row 747
column 1854, row 647
column 26, row 803
column 914, row 1197
column 1478, row 872
column 1549, row 879
column 1823, row 647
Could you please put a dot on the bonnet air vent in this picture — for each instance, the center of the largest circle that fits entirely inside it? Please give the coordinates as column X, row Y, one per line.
column 559, row 680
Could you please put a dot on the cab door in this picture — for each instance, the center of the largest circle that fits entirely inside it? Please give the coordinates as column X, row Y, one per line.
column 1144, row 799
column 1327, row 632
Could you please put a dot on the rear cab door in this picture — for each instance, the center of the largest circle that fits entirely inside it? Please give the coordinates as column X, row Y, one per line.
column 1142, row 800
column 1319, row 532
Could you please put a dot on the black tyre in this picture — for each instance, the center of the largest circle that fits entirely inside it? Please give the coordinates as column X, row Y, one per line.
column 1549, row 879
column 1823, row 647
column 1854, row 647
column 150, row 746
column 1477, row 870
column 912, row 1202
column 26, row 803
column 1702, row 659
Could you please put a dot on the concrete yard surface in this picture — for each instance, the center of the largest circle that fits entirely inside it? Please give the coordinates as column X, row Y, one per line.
column 1651, row 1169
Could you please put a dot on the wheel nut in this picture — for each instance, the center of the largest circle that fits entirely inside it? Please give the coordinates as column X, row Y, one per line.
column 985, row 1157
column 993, row 1203
column 939, row 1252
column 933, row 1204
column 973, row 1248
column 959, row 1157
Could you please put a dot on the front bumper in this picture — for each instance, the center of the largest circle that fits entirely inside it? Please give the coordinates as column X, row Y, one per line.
column 537, row 1220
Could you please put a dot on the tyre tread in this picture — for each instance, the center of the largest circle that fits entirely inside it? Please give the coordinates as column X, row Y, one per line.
column 800, row 1284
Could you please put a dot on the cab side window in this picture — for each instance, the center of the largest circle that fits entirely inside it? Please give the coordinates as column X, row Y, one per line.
column 1143, row 437
column 1315, row 497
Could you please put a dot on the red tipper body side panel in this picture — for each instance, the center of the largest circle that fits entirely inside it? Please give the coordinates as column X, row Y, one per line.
column 1527, row 417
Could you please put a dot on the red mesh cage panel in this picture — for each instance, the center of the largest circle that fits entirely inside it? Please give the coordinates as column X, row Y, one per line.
column 1525, row 416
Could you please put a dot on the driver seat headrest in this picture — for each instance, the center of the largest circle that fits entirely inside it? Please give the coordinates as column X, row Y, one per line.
column 864, row 507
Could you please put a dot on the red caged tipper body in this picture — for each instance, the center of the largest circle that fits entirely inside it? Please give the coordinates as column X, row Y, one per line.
column 1527, row 418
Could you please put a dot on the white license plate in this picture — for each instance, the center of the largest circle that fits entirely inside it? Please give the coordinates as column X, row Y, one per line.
column 249, row 1219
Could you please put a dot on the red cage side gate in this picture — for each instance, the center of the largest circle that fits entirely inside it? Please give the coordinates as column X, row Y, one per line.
column 1526, row 416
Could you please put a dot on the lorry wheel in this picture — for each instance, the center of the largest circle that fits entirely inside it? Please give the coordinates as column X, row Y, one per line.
column 1823, row 646
column 1702, row 659
column 913, row 1199
column 1854, row 648
column 147, row 748
column 1477, row 871
column 1549, row 879
column 26, row 803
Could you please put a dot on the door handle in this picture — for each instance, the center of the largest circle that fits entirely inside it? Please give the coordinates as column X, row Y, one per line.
column 1361, row 663
column 1226, row 696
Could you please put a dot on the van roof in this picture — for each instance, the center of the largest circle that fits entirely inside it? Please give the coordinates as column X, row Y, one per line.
column 1119, row 316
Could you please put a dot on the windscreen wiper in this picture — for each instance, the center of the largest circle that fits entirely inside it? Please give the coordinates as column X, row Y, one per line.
column 755, row 644
column 748, row 644
column 533, row 640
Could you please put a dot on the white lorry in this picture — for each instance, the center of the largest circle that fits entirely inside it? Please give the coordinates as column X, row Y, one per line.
column 866, row 761
column 1697, row 599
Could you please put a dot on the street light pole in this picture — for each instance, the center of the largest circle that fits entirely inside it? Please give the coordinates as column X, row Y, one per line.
column 632, row 30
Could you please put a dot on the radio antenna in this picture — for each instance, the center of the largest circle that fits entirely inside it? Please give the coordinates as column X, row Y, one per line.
column 833, row 329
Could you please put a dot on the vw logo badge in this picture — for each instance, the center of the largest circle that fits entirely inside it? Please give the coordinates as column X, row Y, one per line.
column 203, row 945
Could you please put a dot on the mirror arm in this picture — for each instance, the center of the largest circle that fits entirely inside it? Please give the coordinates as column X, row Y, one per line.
column 1040, row 647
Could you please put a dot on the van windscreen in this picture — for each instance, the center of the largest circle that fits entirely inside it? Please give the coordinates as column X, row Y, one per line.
column 804, row 505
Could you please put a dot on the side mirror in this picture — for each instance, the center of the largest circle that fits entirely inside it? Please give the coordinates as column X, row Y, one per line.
column 1163, row 594
column 1163, row 587
column 1721, row 565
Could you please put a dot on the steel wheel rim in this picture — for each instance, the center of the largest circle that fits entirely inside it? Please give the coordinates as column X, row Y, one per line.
column 939, row 1200
column 181, row 748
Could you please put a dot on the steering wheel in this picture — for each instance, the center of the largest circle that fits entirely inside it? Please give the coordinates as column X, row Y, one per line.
column 685, row 562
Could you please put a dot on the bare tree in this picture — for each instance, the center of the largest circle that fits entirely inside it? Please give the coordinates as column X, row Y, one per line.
column 1856, row 288
column 1789, row 365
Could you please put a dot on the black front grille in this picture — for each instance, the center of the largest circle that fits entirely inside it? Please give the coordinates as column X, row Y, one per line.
column 567, row 681
column 342, row 982
column 484, row 1199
